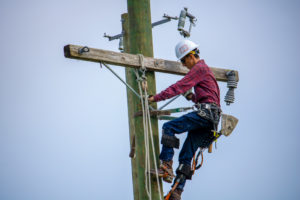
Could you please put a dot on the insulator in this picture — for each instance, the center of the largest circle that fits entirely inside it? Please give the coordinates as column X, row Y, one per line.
column 121, row 44
column 229, row 98
column 231, row 84
column 231, row 79
column 181, row 20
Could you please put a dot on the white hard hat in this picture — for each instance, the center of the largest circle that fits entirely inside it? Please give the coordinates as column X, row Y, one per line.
column 184, row 47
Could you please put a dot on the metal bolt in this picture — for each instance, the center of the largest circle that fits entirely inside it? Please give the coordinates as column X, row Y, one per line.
column 84, row 49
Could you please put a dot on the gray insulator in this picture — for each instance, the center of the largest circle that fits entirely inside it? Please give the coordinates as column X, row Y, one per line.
column 231, row 84
column 229, row 98
column 181, row 20
column 121, row 44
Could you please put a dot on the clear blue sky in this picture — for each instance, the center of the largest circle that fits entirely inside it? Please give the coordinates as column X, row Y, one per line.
column 64, row 125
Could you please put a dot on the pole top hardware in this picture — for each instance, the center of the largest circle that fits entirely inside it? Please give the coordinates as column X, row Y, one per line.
column 110, row 38
column 183, row 14
column 120, row 36
column 84, row 49
column 169, row 17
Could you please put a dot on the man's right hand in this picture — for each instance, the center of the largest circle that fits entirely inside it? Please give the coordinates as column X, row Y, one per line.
column 151, row 98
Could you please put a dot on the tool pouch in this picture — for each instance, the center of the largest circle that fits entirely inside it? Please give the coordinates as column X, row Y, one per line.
column 228, row 124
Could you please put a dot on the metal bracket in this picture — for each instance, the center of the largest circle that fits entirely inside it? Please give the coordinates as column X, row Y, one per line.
column 168, row 18
column 120, row 36
column 110, row 38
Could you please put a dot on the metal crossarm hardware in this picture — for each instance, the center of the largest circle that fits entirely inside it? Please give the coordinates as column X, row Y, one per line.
column 168, row 18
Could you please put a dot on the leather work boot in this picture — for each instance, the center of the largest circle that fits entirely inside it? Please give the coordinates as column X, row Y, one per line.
column 165, row 171
column 176, row 195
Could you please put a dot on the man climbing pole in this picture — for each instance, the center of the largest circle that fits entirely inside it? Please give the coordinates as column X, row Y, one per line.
column 199, row 124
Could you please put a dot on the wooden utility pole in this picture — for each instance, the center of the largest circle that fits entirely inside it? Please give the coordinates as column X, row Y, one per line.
column 138, row 33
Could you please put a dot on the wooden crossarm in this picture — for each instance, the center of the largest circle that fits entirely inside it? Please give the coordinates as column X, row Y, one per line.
column 131, row 60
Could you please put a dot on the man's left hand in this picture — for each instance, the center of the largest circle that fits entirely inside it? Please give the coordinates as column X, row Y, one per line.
column 189, row 96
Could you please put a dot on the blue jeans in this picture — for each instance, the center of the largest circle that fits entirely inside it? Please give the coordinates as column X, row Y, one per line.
column 198, row 129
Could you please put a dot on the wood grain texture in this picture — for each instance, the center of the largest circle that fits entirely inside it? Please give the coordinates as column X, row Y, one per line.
column 131, row 60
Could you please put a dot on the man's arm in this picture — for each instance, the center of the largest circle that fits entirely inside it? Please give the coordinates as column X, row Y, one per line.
column 183, row 85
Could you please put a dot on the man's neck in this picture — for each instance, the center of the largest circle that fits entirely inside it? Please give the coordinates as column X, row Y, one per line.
column 195, row 60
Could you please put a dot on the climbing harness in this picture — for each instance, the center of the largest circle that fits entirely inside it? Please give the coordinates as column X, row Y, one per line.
column 209, row 111
column 212, row 113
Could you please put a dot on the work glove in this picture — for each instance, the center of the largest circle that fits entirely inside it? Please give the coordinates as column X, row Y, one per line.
column 188, row 94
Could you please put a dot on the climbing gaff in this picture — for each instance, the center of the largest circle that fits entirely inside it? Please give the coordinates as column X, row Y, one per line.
column 184, row 172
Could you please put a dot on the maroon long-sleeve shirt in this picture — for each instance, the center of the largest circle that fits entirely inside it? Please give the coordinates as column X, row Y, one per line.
column 202, row 79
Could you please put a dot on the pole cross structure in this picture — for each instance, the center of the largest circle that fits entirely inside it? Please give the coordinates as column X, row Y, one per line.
column 132, row 61
column 137, row 38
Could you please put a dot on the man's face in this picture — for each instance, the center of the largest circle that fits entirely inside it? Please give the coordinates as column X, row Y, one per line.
column 187, row 61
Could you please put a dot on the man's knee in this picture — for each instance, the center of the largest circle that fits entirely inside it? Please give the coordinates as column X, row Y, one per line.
column 170, row 141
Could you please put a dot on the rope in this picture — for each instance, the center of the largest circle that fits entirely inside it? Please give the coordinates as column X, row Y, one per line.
column 147, row 129
column 146, row 141
column 141, row 58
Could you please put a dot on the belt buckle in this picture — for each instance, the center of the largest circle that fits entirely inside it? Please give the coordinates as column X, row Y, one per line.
column 206, row 106
column 202, row 113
